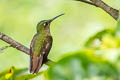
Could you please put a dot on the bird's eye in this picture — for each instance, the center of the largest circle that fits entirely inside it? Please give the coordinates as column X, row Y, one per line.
column 45, row 24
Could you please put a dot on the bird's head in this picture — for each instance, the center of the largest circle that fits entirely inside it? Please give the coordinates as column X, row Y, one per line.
column 45, row 24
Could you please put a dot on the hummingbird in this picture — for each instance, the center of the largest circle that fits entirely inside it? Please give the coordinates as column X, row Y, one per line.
column 41, row 45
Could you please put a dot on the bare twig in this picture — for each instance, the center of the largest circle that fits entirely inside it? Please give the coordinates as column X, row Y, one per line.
column 98, row 3
column 4, row 48
column 16, row 44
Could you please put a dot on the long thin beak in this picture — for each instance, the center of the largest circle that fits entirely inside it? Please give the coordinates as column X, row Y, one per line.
column 55, row 17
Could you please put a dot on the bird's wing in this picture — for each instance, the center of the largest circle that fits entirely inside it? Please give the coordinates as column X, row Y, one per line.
column 32, row 64
column 43, row 50
column 48, row 45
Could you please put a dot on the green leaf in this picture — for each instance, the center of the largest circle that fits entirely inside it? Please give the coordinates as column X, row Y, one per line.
column 82, row 65
column 11, row 73
column 27, row 76
column 17, row 74
column 98, row 36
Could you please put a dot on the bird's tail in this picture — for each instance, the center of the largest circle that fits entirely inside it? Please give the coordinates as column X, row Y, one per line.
column 35, row 63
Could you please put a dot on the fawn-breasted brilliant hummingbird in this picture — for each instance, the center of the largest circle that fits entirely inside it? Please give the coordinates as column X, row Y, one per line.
column 41, row 45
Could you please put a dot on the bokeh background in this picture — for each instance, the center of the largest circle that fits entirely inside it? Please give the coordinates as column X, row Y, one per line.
column 18, row 19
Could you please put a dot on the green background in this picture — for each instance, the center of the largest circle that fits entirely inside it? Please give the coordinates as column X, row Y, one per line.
column 18, row 19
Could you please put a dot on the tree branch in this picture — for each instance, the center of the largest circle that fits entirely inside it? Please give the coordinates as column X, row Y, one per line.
column 16, row 44
column 98, row 3
column 87, row 2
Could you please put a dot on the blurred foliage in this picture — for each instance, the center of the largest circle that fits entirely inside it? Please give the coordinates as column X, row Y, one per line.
column 94, row 35
column 86, row 65
column 107, row 38
column 96, row 39
column 118, row 25
column 82, row 66
column 17, row 74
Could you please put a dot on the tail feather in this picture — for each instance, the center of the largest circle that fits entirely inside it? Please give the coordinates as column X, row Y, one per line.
column 40, row 63
column 36, row 63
